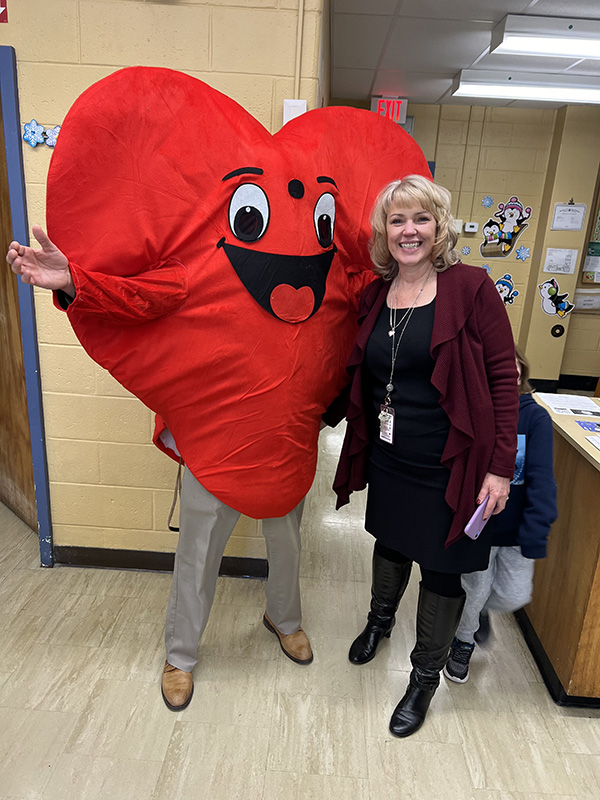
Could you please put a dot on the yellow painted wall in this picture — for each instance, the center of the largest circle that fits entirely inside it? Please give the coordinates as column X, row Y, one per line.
column 572, row 174
column 582, row 348
column 502, row 152
column 495, row 152
column 109, row 487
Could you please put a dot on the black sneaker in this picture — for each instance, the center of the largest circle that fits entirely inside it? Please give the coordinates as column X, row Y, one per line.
column 484, row 632
column 457, row 666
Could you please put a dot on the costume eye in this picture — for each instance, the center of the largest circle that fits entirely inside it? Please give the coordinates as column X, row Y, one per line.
column 248, row 212
column 325, row 219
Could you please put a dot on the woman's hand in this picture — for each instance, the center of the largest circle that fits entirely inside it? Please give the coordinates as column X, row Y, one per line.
column 47, row 268
column 498, row 489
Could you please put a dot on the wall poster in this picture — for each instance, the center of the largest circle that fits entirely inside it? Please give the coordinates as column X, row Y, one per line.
column 502, row 230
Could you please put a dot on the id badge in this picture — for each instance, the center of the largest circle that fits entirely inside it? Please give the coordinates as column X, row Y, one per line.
column 386, row 424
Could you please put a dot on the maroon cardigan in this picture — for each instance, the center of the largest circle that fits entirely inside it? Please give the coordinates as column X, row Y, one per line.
column 475, row 373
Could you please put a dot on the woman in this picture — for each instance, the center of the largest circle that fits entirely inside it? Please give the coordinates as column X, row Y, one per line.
column 432, row 422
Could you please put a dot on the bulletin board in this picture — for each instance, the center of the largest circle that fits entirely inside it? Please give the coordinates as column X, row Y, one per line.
column 587, row 291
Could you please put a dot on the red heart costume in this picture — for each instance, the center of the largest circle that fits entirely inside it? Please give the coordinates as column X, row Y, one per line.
column 218, row 268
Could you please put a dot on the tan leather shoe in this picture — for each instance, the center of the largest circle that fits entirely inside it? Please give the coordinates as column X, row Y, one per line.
column 177, row 687
column 295, row 645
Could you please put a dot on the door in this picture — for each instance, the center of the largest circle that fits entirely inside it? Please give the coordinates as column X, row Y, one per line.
column 23, row 464
column 17, row 489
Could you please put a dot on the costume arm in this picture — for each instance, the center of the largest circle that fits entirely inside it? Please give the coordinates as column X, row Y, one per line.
column 338, row 408
column 499, row 358
column 154, row 293
column 358, row 280
column 158, row 290
column 540, row 510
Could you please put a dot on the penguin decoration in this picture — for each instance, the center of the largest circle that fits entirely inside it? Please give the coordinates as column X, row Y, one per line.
column 506, row 289
column 553, row 302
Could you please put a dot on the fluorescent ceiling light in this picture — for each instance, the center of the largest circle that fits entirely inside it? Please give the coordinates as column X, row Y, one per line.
column 547, row 36
column 526, row 86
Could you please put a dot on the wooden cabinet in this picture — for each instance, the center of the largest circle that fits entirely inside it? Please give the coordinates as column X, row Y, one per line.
column 562, row 623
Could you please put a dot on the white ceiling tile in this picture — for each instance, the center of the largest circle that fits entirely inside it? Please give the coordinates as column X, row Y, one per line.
column 417, row 87
column 491, row 10
column 430, row 41
column 580, row 9
column 364, row 6
column 358, row 40
column 352, row 83
column 435, row 45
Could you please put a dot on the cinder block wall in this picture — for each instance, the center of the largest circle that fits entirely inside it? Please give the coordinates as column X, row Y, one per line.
column 109, row 487
column 489, row 152
column 500, row 152
column 582, row 349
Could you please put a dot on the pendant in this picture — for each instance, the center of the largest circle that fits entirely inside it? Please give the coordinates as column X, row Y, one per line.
column 389, row 387
column 391, row 332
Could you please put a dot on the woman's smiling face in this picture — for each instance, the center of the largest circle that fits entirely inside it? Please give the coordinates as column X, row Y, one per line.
column 411, row 236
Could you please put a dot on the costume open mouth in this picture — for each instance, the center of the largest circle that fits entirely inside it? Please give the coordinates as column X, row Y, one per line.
column 290, row 288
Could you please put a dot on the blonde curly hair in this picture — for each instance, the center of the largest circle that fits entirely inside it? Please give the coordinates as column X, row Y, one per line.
column 413, row 190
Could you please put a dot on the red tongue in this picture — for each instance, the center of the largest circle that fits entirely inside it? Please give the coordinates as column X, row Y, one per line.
column 292, row 305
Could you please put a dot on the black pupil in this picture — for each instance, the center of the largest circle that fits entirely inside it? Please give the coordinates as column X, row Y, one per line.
column 248, row 223
column 324, row 230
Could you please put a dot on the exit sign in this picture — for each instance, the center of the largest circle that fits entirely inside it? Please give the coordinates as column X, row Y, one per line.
column 3, row 12
column 393, row 108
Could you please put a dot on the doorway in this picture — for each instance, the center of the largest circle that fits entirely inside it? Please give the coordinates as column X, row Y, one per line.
column 23, row 467
column 16, row 466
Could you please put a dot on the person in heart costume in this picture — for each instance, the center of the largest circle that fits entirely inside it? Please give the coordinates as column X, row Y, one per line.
column 215, row 270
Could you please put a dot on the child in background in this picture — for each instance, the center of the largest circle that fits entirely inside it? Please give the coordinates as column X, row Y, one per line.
column 520, row 533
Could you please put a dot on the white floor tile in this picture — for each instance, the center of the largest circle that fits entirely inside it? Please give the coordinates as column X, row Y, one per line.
column 81, row 714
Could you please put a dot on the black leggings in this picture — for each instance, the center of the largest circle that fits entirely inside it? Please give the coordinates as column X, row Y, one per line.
column 446, row 584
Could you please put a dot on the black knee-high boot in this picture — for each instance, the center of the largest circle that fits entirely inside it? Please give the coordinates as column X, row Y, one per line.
column 437, row 621
column 389, row 583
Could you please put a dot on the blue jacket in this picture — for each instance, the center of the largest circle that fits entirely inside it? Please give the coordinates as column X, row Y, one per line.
column 531, row 507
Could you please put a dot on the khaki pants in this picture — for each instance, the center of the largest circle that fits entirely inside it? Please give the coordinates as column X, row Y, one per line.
column 205, row 525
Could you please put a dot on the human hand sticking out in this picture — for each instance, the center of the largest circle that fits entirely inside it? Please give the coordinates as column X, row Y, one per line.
column 47, row 267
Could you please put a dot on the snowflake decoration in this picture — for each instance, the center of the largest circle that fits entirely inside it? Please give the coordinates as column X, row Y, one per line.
column 34, row 133
column 465, row 251
column 522, row 253
column 486, row 267
column 52, row 135
column 487, row 201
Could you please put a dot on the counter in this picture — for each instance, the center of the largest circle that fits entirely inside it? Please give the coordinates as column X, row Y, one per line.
column 562, row 623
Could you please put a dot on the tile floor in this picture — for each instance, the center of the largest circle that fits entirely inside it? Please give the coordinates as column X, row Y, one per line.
column 81, row 716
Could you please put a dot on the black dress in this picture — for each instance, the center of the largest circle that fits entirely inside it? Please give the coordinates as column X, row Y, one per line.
column 406, row 507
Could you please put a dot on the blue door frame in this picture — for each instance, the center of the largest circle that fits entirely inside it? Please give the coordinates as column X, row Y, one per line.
column 20, row 231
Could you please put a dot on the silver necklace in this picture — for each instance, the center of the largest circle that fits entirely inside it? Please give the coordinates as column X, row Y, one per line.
column 393, row 323
column 392, row 332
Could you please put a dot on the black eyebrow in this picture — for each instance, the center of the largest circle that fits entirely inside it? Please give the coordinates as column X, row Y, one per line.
column 325, row 179
column 243, row 171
